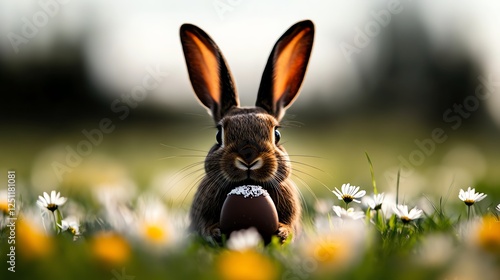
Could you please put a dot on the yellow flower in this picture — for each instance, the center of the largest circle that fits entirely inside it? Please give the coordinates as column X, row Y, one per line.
column 335, row 246
column 156, row 233
column 330, row 252
column 110, row 248
column 245, row 265
column 488, row 236
column 4, row 206
column 154, row 224
column 32, row 240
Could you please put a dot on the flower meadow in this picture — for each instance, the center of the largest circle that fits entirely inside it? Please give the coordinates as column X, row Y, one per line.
column 359, row 232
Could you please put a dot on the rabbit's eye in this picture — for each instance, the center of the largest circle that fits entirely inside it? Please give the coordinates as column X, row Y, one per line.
column 277, row 136
column 218, row 136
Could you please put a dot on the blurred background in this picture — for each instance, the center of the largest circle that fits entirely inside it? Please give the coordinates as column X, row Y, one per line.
column 97, row 93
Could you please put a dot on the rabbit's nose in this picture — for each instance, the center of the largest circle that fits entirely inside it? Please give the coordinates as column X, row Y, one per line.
column 248, row 153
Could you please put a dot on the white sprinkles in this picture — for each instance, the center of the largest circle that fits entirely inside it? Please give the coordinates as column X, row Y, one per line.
column 249, row 190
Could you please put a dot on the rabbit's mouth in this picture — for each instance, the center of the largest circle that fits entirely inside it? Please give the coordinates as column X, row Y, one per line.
column 256, row 169
column 253, row 165
column 260, row 177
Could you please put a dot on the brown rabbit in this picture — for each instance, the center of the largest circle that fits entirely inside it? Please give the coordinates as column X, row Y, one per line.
column 247, row 150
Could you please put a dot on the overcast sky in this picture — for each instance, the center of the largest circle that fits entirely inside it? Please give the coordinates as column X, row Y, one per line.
column 121, row 39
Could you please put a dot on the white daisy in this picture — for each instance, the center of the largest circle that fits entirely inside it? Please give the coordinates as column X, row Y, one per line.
column 244, row 239
column 469, row 197
column 349, row 193
column 155, row 225
column 349, row 213
column 51, row 202
column 71, row 226
column 402, row 212
column 498, row 208
column 375, row 202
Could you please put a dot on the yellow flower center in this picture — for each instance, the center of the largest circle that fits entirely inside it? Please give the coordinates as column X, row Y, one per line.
column 156, row 233
column 52, row 207
column 488, row 234
column 469, row 202
column 110, row 248
column 329, row 251
column 4, row 207
column 245, row 265
column 405, row 219
column 72, row 230
column 347, row 198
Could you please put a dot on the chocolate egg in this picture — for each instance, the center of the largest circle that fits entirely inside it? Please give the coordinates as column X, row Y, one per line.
column 246, row 207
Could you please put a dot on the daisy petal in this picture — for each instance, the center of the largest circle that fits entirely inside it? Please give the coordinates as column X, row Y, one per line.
column 47, row 197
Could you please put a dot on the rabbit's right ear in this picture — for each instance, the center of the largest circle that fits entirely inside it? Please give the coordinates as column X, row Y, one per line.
column 285, row 69
column 208, row 71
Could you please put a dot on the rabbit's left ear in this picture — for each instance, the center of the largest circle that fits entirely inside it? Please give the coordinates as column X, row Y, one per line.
column 286, row 68
column 208, row 71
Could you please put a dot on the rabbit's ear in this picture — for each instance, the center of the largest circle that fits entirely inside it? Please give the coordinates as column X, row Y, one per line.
column 286, row 68
column 208, row 71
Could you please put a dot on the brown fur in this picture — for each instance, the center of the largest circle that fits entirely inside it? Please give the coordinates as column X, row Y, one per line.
column 245, row 127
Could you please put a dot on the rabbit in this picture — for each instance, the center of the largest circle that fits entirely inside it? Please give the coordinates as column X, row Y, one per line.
column 247, row 151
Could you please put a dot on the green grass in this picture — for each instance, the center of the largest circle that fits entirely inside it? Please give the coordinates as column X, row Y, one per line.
column 443, row 244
